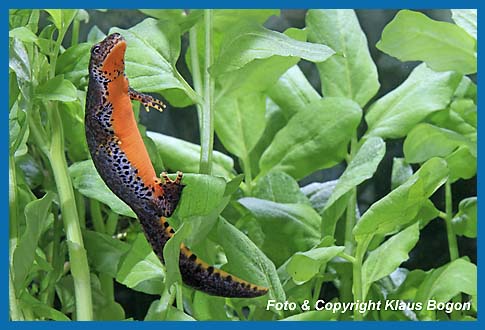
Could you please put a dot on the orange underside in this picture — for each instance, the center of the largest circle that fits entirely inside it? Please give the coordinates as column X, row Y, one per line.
column 123, row 119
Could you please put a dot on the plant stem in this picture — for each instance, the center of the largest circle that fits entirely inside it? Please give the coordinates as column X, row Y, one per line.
column 196, row 78
column 96, row 216
column 351, row 205
column 207, row 119
column 179, row 299
column 452, row 243
column 75, row 32
column 82, row 286
column 357, row 274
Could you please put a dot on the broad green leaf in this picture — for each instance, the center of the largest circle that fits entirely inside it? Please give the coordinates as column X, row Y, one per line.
column 153, row 48
column 160, row 311
column 171, row 254
column 248, row 42
column 24, row 17
column 412, row 36
column 239, row 122
column 462, row 164
column 313, row 139
column 293, row 92
column 104, row 251
column 460, row 117
column 87, row 181
column 426, row 141
column 201, row 195
column 74, row 62
column 57, row 89
column 279, row 187
column 466, row 109
column 62, row 18
column 444, row 283
column 140, row 269
column 23, row 34
column 72, row 117
column 401, row 171
column 280, row 221
column 466, row 19
column 400, row 206
column 388, row 256
column 180, row 155
column 350, row 72
column 465, row 221
column 303, row 266
column 408, row 289
column 36, row 217
column 361, row 168
column 185, row 20
column 209, row 308
column 423, row 92
column 247, row 261
column 427, row 213
column 41, row 309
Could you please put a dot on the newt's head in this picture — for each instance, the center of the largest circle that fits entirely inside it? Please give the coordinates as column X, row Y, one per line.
column 108, row 58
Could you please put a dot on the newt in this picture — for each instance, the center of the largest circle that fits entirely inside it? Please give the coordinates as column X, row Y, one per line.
column 122, row 160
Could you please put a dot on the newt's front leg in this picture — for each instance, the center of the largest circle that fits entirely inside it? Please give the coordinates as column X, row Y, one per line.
column 147, row 100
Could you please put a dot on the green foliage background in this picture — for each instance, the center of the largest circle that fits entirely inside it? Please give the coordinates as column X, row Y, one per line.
column 284, row 199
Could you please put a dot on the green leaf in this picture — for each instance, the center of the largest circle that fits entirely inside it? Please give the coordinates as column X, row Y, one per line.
column 248, row 42
column 293, row 92
column 185, row 20
column 57, row 89
column 444, row 283
column 412, row 36
column 62, row 18
column 41, row 309
column 239, row 122
column 388, row 256
column 303, row 266
column 401, row 171
column 246, row 261
column 279, row 187
column 209, row 308
column 184, row 156
column 466, row 19
column 171, row 254
column 465, row 221
column 87, row 181
column 423, row 92
column 313, row 139
column 278, row 221
column 36, row 216
column 426, row 141
column 74, row 62
column 23, row 34
column 140, row 269
column 350, row 72
column 153, row 48
column 201, row 195
column 361, row 168
column 104, row 252
column 400, row 206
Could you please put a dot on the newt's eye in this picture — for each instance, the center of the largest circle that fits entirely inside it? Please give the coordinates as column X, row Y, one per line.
column 95, row 50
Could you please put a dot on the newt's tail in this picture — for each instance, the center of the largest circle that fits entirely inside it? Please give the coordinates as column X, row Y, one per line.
column 195, row 272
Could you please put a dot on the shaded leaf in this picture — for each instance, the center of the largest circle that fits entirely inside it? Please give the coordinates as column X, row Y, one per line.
column 465, row 221
column 57, row 89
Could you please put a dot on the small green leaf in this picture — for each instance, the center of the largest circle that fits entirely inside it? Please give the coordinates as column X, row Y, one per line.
column 279, row 220
column 303, row 266
column 104, row 252
column 23, row 34
column 401, row 171
column 140, row 269
column 180, row 155
column 412, row 36
column 171, row 254
column 465, row 221
column 444, row 283
column 401, row 206
column 36, row 216
column 247, row 261
column 293, row 92
column 352, row 63
column 313, row 139
column 423, row 92
column 86, row 179
column 74, row 62
column 279, row 187
column 57, row 89
column 249, row 42
column 388, row 256
column 239, row 122
column 466, row 19
column 41, row 309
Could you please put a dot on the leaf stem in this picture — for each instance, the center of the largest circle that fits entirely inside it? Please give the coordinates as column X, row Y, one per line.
column 196, row 78
column 452, row 243
column 207, row 119
column 352, row 203
column 357, row 274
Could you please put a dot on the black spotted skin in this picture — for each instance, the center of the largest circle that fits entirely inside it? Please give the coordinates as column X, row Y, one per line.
column 122, row 161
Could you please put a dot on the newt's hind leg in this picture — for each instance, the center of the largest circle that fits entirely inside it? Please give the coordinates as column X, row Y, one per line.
column 147, row 100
